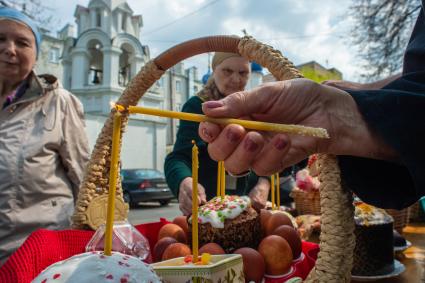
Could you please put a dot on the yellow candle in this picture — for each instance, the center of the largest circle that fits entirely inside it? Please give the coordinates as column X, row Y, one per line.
column 278, row 190
column 223, row 180
column 195, row 167
column 119, row 108
column 254, row 125
column 219, row 178
column 272, row 191
column 113, row 175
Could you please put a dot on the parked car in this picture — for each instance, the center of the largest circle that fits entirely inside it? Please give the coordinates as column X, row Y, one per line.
column 143, row 185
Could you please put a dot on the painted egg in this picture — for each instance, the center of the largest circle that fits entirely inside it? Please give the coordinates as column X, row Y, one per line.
column 160, row 247
column 182, row 222
column 292, row 237
column 212, row 248
column 277, row 254
column 254, row 266
column 177, row 250
column 173, row 231
column 275, row 220
column 264, row 218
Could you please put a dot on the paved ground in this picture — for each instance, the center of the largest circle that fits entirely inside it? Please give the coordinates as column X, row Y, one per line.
column 152, row 211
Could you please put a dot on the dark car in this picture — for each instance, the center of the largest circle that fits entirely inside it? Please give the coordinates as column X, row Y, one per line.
column 143, row 185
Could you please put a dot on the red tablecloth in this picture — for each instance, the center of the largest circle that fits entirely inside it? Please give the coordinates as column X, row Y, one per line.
column 45, row 247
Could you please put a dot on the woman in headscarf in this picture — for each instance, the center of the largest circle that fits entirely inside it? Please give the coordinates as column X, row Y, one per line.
column 230, row 74
column 43, row 144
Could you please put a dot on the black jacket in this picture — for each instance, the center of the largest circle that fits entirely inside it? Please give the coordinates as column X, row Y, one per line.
column 397, row 113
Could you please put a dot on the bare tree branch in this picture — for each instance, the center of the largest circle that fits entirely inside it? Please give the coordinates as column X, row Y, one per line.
column 34, row 9
column 381, row 31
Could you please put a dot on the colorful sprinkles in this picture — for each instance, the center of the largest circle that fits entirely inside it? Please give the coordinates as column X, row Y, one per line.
column 217, row 210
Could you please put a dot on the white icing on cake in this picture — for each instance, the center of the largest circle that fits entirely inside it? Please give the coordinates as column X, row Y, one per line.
column 366, row 215
column 96, row 267
column 217, row 210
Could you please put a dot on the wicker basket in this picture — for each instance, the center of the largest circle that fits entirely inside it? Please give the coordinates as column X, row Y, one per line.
column 337, row 240
column 415, row 213
column 401, row 218
column 306, row 202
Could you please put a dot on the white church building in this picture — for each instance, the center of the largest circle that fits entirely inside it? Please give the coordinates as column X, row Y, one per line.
column 96, row 61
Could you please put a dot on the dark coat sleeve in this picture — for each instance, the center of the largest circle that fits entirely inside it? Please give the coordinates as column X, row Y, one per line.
column 397, row 114
column 178, row 163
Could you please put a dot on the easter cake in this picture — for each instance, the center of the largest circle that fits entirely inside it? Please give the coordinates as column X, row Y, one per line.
column 231, row 222
column 96, row 267
column 373, row 254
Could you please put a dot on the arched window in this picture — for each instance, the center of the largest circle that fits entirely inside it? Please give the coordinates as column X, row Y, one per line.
column 125, row 63
column 95, row 75
column 68, row 67
column 178, row 86
column 124, row 22
column 98, row 18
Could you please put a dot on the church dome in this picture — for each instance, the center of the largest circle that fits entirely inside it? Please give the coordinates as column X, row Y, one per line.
column 206, row 77
column 255, row 67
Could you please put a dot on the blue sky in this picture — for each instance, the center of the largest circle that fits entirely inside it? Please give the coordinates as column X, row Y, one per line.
column 303, row 30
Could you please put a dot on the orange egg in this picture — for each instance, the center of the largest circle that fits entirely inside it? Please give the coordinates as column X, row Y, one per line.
column 182, row 222
column 275, row 220
column 292, row 237
column 160, row 247
column 173, row 231
column 254, row 266
column 176, row 250
column 212, row 248
column 277, row 254
column 264, row 218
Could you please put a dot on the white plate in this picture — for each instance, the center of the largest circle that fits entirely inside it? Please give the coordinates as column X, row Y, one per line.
column 402, row 248
column 399, row 268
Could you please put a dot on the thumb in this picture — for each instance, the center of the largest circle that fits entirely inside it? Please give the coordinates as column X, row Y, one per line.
column 237, row 104
column 201, row 194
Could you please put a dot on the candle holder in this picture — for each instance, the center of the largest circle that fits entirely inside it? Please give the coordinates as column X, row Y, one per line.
column 223, row 268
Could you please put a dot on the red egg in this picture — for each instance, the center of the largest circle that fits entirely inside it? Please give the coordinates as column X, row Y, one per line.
column 160, row 247
column 277, row 254
column 173, row 231
column 254, row 266
column 264, row 218
column 176, row 250
column 275, row 220
column 212, row 248
column 182, row 222
column 292, row 237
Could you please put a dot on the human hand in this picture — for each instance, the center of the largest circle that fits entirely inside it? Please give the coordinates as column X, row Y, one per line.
column 358, row 86
column 185, row 195
column 298, row 101
column 259, row 194
column 346, row 85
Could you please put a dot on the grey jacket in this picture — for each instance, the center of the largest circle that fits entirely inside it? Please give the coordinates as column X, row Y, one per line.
column 43, row 152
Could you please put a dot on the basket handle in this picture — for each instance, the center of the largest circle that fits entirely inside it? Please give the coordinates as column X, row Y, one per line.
column 197, row 46
column 337, row 237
